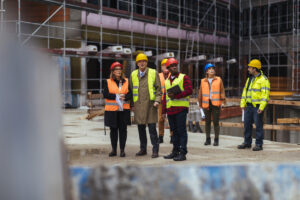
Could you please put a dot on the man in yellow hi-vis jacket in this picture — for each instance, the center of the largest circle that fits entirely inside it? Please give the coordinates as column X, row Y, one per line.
column 254, row 100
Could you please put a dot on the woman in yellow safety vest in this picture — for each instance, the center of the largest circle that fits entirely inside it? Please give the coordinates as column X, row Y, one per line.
column 117, row 95
column 211, row 98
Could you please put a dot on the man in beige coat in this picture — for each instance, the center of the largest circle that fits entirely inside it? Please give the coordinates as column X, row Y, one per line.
column 146, row 90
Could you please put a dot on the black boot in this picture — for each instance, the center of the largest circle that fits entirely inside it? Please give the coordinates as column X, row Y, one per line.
column 112, row 153
column 122, row 153
column 180, row 157
column 190, row 126
column 141, row 153
column 244, row 146
column 216, row 142
column 172, row 155
column 161, row 139
column 194, row 128
column 208, row 141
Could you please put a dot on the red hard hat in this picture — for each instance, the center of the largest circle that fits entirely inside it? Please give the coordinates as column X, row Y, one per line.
column 115, row 64
column 171, row 61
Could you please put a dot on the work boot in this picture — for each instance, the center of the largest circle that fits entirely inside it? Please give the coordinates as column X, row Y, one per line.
column 154, row 155
column 216, row 142
column 161, row 139
column 257, row 148
column 172, row 155
column 208, row 141
column 141, row 153
column 244, row 146
column 112, row 153
column 122, row 153
column 180, row 157
column 171, row 139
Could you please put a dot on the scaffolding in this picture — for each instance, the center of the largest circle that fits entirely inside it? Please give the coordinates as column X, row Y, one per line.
column 201, row 28
column 228, row 33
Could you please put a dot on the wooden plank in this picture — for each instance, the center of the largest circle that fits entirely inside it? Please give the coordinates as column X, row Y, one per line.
column 274, row 102
column 288, row 120
column 95, row 113
column 266, row 126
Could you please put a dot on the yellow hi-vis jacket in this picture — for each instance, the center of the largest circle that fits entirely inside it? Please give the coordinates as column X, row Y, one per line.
column 183, row 102
column 151, row 82
column 257, row 93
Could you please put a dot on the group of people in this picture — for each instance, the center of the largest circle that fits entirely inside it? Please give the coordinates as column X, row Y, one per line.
column 154, row 96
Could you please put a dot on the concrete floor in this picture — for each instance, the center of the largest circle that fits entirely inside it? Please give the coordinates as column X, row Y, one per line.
column 88, row 146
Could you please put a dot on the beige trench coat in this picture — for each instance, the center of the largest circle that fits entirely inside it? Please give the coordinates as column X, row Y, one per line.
column 144, row 111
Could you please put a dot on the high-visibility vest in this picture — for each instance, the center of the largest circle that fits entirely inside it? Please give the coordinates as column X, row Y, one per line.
column 111, row 105
column 214, row 90
column 257, row 93
column 162, row 83
column 135, row 84
column 183, row 102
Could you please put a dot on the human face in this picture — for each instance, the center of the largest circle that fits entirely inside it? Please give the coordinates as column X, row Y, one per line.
column 117, row 72
column 173, row 69
column 211, row 72
column 142, row 64
column 164, row 68
column 251, row 70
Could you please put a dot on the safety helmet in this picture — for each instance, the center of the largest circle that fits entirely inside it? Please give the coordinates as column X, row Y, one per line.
column 207, row 66
column 171, row 61
column 255, row 63
column 115, row 64
column 163, row 61
column 140, row 57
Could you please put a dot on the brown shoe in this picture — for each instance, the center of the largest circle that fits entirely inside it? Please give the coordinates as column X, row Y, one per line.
column 141, row 153
column 154, row 155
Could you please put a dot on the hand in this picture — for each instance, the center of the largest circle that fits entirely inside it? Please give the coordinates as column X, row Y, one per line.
column 171, row 95
column 222, row 106
column 163, row 116
column 122, row 96
column 259, row 111
column 155, row 104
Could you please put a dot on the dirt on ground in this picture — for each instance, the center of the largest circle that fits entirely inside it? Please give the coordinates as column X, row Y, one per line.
column 88, row 145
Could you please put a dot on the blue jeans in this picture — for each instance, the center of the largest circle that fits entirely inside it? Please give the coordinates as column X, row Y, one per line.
column 251, row 116
column 178, row 126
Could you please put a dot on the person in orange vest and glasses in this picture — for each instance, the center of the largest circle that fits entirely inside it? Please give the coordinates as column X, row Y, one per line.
column 117, row 94
column 211, row 99
column 161, row 120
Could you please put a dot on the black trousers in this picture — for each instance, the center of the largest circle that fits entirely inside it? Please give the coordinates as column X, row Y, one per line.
column 153, row 137
column 120, row 131
column 213, row 111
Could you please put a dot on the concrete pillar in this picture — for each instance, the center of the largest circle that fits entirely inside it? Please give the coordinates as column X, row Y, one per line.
column 30, row 121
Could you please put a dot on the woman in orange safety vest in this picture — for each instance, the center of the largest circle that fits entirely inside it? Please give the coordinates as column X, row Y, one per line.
column 211, row 99
column 117, row 95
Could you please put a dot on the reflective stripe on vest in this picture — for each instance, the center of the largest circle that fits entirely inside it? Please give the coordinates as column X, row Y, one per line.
column 135, row 84
column 183, row 102
column 253, row 95
column 215, row 92
column 111, row 105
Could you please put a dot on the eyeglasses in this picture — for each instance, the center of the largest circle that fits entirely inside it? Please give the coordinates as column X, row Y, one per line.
column 117, row 68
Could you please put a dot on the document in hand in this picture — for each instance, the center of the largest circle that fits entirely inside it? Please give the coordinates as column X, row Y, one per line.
column 175, row 90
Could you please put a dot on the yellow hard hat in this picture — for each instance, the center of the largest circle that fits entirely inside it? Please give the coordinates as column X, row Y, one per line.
column 163, row 61
column 255, row 63
column 140, row 57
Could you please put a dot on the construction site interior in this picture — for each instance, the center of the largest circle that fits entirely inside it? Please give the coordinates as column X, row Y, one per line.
column 84, row 37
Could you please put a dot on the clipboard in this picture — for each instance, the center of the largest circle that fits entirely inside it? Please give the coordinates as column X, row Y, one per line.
column 175, row 90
